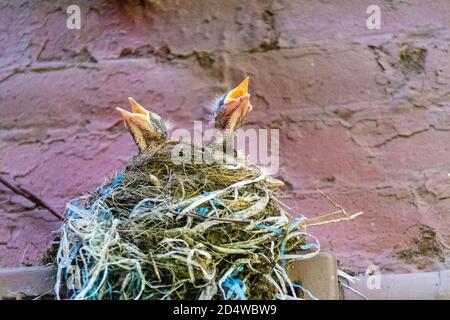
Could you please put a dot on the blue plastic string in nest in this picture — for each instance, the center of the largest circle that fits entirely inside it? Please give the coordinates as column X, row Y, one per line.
column 192, row 231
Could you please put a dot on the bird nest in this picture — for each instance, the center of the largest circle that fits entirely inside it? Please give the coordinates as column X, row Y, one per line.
column 172, row 227
column 160, row 230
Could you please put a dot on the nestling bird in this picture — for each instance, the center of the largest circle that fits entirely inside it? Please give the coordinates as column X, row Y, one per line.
column 231, row 109
column 229, row 114
column 146, row 127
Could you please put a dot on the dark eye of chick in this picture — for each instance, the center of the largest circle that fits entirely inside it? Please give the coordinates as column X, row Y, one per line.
column 220, row 105
column 222, row 100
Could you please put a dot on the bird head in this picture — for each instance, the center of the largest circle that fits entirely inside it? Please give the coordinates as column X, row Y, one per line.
column 146, row 127
column 230, row 111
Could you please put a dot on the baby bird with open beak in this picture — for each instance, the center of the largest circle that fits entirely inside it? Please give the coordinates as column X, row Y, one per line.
column 146, row 127
column 229, row 115
column 231, row 109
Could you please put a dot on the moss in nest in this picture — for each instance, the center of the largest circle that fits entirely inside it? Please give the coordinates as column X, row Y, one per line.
column 160, row 230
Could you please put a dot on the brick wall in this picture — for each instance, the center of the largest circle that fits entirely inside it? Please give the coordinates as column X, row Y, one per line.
column 363, row 114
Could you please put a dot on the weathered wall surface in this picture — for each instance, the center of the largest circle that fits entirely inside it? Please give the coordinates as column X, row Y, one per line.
column 364, row 114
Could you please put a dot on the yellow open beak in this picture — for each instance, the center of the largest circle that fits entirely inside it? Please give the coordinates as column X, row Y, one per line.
column 125, row 114
column 136, row 107
column 238, row 92
column 131, row 117
column 138, row 112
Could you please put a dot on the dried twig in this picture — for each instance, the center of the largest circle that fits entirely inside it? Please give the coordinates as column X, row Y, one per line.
column 335, row 216
column 31, row 197
column 332, row 217
column 331, row 200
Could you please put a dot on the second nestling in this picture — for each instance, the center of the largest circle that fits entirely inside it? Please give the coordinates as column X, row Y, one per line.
column 149, row 130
